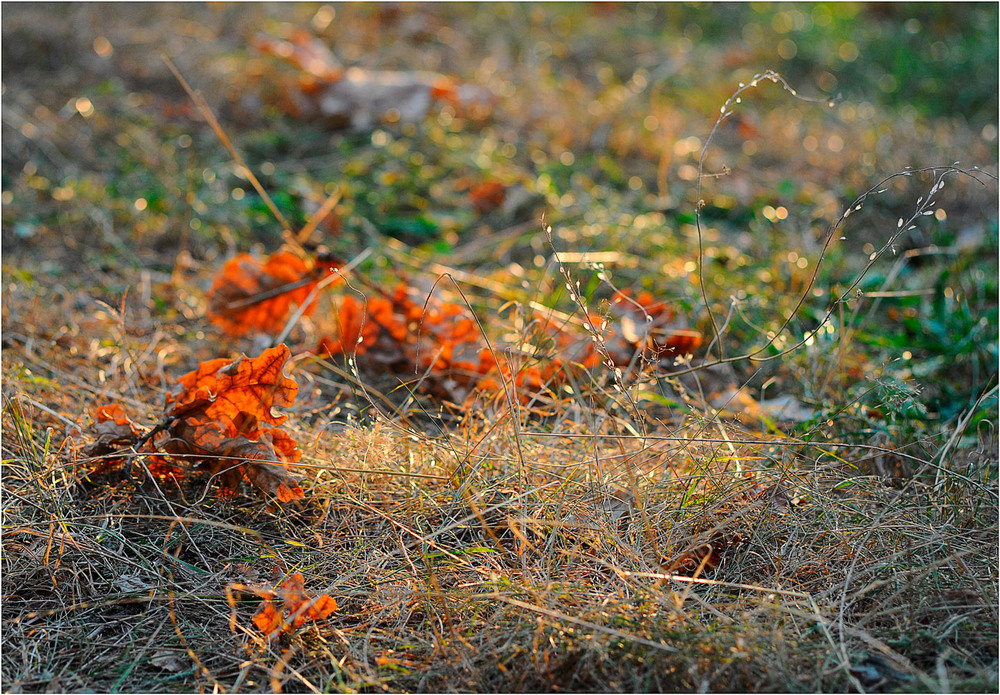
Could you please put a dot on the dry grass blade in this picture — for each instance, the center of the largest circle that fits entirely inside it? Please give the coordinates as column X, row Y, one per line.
column 206, row 111
column 324, row 210
column 555, row 615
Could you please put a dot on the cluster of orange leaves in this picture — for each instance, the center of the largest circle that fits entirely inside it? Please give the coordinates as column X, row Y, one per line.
column 113, row 430
column 397, row 332
column 216, row 420
column 221, row 416
column 296, row 607
column 442, row 341
column 249, row 295
column 483, row 194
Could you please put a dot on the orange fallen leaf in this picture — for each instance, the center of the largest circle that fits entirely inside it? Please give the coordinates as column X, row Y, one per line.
column 249, row 295
column 487, row 196
column 233, row 457
column 221, row 389
column 403, row 332
column 358, row 325
column 268, row 617
column 115, row 431
column 216, row 421
column 217, row 414
column 304, row 51
column 298, row 606
column 116, row 414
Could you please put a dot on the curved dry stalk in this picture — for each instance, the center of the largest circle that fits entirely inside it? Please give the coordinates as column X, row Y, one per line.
column 726, row 112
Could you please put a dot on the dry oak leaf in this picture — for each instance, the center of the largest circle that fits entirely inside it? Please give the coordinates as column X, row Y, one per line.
column 398, row 330
column 249, row 295
column 221, row 389
column 439, row 333
column 573, row 347
column 115, row 431
column 559, row 353
column 702, row 558
column 360, row 324
column 217, row 415
column 529, row 382
column 116, row 414
column 298, row 607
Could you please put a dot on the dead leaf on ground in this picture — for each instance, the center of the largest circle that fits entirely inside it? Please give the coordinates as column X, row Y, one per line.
column 170, row 662
column 233, row 457
column 700, row 558
column 248, row 295
column 487, row 196
column 369, row 327
column 402, row 331
column 297, row 607
column 218, row 413
column 114, row 431
column 304, row 51
column 237, row 390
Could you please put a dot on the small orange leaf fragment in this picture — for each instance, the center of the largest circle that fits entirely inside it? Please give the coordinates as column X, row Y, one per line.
column 116, row 414
column 268, row 618
column 298, row 606
column 114, row 431
column 487, row 196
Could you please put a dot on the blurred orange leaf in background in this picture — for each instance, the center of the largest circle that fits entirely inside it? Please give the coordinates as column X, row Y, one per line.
column 487, row 196
column 649, row 325
column 357, row 97
column 249, row 295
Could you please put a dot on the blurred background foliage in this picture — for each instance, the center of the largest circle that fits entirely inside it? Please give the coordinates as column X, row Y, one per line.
column 935, row 57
